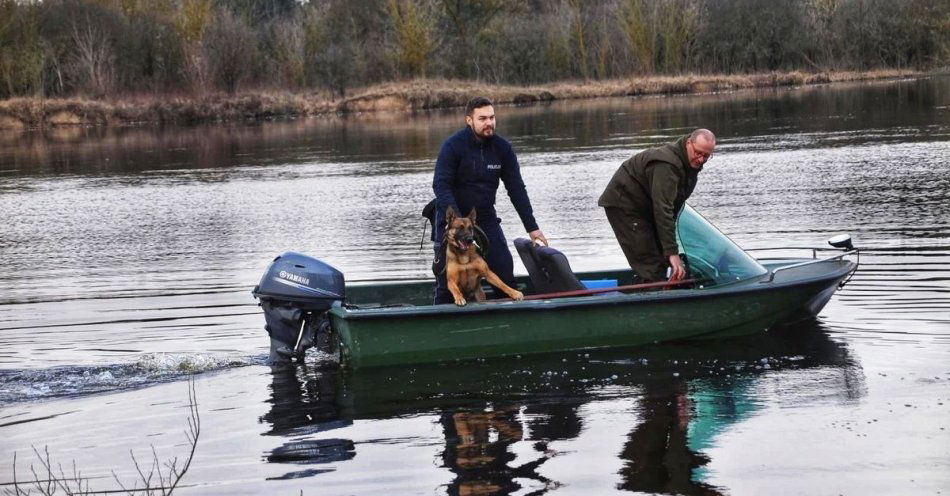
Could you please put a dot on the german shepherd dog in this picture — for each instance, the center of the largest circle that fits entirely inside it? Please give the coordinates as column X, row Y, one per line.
column 464, row 267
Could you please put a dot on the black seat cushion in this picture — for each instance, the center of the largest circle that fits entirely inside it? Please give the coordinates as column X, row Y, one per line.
column 547, row 267
column 529, row 257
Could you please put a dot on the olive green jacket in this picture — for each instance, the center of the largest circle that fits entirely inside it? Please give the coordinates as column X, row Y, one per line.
column 653, row 185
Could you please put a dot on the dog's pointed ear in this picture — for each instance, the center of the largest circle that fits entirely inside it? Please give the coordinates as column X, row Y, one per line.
column 471, row 215
column 450, row 215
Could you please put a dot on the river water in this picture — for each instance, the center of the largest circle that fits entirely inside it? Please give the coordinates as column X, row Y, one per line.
column 128, row 257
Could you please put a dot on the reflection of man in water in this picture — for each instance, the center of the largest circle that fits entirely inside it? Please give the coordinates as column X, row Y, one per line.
column 657, row 453
column 644, row 197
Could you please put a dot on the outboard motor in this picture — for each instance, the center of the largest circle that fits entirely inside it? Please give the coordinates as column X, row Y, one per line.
column 295, row 293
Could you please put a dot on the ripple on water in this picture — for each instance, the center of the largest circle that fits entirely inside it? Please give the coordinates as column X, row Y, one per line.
column 897, row 295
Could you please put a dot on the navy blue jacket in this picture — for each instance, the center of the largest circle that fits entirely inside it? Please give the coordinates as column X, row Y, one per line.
column 467, row 173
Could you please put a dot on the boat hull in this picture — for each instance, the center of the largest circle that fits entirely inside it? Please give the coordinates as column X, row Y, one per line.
column 433, row 333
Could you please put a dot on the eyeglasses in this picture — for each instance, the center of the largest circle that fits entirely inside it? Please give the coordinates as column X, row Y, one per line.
column 702, row 154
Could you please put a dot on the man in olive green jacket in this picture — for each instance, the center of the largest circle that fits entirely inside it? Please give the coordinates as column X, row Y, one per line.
column 644, row 198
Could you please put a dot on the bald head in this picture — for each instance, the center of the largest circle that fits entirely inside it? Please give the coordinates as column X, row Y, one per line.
column 699, row 147
column 704, row 133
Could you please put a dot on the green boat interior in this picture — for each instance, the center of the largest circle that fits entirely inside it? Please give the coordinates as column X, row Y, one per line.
column 712, row 260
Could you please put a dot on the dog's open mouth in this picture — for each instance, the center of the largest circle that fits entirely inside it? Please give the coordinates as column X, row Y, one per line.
column 463, row 245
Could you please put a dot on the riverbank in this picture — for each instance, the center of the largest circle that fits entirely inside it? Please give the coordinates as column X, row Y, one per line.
column 420, row 94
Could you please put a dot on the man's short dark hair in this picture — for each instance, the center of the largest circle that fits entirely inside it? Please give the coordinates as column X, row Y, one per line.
column 476, row 103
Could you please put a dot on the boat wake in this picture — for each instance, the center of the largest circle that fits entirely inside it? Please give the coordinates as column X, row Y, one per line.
column 149, row 369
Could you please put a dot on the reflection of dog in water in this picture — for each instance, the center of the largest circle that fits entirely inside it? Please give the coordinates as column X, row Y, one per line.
column 464, row 267
column 478, row 451
column 474, row 436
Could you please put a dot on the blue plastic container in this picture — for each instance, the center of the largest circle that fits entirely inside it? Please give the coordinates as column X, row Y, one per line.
column 600, row 283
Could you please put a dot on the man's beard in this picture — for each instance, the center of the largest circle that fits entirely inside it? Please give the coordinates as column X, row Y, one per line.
column 483, row 134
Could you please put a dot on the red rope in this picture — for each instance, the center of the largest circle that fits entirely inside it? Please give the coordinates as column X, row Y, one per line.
column 583, row 292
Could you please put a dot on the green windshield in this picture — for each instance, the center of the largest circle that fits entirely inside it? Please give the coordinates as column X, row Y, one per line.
column 710, row 254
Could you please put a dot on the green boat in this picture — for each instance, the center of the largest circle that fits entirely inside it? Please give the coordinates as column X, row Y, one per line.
column 728, row 293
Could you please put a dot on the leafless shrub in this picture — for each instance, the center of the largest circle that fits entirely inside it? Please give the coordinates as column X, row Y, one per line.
column 230, row 47
column 50, row 478
column 413, row 25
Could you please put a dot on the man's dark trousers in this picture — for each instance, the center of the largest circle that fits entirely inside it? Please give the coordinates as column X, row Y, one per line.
column 498, row 259
column 640, row 244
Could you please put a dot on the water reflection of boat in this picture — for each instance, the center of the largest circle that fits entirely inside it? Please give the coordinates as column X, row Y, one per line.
column 685, row 394
column 302, row 406
column 385, row 324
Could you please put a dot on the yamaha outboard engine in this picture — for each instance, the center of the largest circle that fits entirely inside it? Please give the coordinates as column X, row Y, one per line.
column 295, row 293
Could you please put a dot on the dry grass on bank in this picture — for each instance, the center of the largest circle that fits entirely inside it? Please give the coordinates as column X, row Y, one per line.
column 19, row 113
column 429, row 93
column 36, row 112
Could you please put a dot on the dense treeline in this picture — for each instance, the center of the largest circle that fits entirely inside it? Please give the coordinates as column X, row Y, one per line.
column 104, row 47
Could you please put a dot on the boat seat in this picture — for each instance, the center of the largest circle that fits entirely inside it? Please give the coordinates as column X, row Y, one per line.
column 548, row 268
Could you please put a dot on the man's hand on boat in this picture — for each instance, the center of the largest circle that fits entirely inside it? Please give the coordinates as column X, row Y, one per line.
column 538, row 237
column 677, row 269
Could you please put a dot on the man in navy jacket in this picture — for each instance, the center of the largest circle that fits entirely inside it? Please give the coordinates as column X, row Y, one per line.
column 471, row 162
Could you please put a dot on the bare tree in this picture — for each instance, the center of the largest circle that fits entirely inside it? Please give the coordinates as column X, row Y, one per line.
column 578, row 23
column 21, row 50
column 231, row 48
column 639, row 26
column 413, row 26
column 93, row 55
column 467, row 21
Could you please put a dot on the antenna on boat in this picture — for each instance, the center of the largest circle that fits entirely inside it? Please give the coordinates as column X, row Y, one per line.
column 842, row 241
